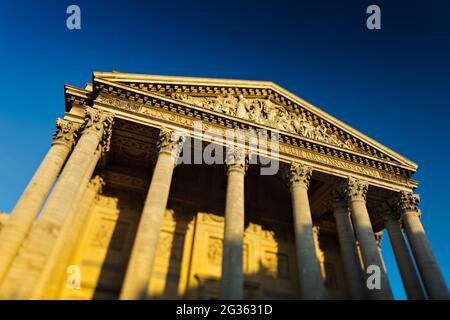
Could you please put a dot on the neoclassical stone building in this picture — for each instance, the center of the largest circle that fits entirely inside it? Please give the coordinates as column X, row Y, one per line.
column 116, row 210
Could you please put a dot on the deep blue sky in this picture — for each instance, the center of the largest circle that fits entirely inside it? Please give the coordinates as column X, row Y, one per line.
column 392, row 84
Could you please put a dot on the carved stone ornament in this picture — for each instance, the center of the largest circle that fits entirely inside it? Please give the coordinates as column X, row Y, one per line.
column 409, row 202
column 338, row 198
column 236, row 158
column 299, row 174
column 66, row 132
column 97, row 183
column 357, row 189
column 266, row 112
column 378, row 238
column 170, row 141
column 99, row 122
column 391, row 209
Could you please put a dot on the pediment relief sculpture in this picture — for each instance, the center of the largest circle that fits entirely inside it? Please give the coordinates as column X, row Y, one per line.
column 266, row 112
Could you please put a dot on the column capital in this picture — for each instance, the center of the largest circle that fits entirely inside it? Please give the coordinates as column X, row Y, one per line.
column 356, row 189
column 378, row 237
column 99, row 122
column 391, row 211
column 170, row 141
column 97, row 183
column 236, row 159
column 66, row 132
column 316, row 231
column 409, row 203
column 338, row 198
column 299, row 174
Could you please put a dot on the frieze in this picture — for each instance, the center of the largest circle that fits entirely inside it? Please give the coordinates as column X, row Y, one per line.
column 334, row 162
column 119, row 103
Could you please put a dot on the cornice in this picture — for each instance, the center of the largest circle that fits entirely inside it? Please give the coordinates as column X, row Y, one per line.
column 75, row 95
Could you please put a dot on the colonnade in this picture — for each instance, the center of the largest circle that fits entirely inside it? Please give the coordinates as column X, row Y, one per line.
column 30, row 248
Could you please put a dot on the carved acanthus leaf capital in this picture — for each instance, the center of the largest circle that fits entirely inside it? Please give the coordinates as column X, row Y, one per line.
column 299, row 174
column 409, row 202
column 97, row 183
column 99, row 122
column 170, row 141
column 236, row 158
column 378, row 238
column 357, row 189
column 391, row 210
column 338, row 197
column 66, row 132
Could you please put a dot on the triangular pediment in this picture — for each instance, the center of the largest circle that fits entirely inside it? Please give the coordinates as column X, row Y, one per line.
column 262, row 103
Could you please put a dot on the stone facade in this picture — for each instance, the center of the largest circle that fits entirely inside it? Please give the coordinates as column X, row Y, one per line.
column 129, row 218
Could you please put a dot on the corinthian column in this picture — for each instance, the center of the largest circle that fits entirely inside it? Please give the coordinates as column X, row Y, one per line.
column 232, row 280
column 31, row 200
column 347, row 243
column 430, row 272
column 142, row 258
column 405, row 264
column 26, row 268
column 357, row 191
column 310, row 277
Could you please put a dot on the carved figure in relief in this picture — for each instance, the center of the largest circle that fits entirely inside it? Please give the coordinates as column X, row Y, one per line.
column 242, row 106
column 215, row 251
column 218, row 103
column 335, row 140
column 321, row 133
column 296, row 123
column 229, row 105
column 266, row 112
column 349, row 144
column 284, row 122
column 270, row 111
column 256, row 111
column 307, row 130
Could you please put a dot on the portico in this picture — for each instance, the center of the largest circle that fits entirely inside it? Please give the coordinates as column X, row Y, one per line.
column 143, row 224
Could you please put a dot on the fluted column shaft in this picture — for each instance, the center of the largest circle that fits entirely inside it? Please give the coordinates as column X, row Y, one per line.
column 369, row 250
column 430, row 272
column 31, row 200
column 347, row 244
column 232, row 280
column 142, row 258
column 22, row 277
column 310, row 276
column 405, row 264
